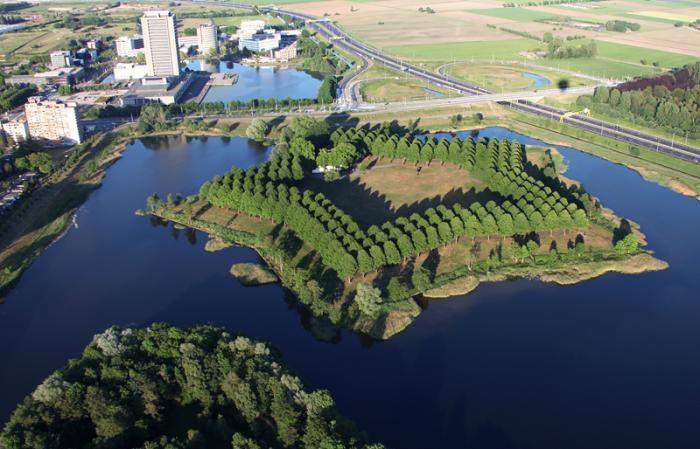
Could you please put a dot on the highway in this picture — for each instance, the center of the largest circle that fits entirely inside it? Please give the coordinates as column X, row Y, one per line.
column 344, row 41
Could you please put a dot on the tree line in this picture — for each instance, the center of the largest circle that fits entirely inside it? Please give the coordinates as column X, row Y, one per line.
column 670, row 101
column 621, row 26
column 12, row 96
column 171, row 388
column 526, row 204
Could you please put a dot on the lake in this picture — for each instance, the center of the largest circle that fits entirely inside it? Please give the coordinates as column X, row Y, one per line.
column 608, row 363
column 259, row 82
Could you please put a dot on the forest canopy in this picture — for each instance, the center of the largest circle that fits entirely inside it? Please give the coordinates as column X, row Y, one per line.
column 165, row 387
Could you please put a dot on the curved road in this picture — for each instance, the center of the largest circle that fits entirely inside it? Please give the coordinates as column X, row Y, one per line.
column 347, row 43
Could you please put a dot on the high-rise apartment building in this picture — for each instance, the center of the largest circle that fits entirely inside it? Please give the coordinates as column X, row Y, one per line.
column 160, row 43
column 53, row 120
column 207, row 38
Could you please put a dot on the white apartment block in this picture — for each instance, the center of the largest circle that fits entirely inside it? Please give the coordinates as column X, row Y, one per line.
column 129, row 46
column 261, row 42
column 249, row 28
column 207, row 38
column 53, row 120
column 160, row 43
column 61, row 59
column 16, row 129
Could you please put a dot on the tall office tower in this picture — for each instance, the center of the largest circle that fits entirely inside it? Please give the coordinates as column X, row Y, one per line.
column 54, row 121
column 160, row 43
column 207, row 38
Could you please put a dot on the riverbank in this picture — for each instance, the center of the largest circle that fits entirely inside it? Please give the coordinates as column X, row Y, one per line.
column 45, row 216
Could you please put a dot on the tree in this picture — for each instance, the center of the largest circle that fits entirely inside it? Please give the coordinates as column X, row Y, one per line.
column 420, row 279
column 368, row 300
column 628, row 245
column 257, row 130
column 396, row 290
column 393, row 256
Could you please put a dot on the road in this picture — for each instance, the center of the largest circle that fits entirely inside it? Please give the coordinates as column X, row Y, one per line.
column 344, row 41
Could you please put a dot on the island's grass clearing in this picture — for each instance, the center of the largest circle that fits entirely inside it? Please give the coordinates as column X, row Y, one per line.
column 391, row 188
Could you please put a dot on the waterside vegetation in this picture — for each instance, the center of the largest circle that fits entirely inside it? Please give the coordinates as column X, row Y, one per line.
column 510, row 213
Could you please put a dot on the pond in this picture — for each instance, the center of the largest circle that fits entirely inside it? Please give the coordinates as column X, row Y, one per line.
column 537, row 80
column 259, row 82
column 608, row 363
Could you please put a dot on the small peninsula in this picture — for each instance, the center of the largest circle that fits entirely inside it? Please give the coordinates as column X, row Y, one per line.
column 166, row 387
column 359, row 220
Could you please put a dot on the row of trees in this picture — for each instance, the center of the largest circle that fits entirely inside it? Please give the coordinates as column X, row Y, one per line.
column 12, row 96
column 671, row 101
column 345, row 247
column 165, row 387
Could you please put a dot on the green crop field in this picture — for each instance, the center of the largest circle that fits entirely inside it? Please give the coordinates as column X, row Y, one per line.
column 632, row 54
column 518, row 14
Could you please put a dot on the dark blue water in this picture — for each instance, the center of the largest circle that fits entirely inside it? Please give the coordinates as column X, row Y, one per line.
column 609, row 363
column 259, row 82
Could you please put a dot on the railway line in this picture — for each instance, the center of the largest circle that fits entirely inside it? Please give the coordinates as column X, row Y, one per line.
column 344, row 41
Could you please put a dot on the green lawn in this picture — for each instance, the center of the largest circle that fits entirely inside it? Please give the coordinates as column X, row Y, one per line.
column 518, row 14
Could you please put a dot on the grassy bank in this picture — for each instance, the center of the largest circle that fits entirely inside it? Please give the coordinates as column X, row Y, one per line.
column 676, row 174
column 45, row 214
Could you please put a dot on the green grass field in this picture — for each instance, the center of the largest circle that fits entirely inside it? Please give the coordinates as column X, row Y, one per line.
column 518, row 14
column 613, row 60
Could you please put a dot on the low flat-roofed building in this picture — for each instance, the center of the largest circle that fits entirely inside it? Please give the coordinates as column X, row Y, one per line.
column 63, row 76
column 129, row 71
column 260, row 42
column 167, row 90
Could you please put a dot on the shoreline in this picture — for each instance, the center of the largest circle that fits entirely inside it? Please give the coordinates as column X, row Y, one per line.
column 403, row 313
column 122, row 142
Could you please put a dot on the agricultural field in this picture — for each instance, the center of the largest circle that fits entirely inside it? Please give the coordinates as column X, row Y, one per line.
column 482, row 30
column 517, row 14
